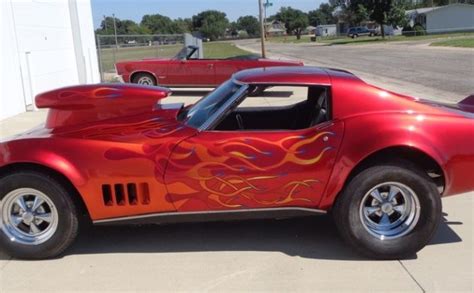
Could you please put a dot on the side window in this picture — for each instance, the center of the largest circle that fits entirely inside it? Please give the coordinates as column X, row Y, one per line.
column 279, row 108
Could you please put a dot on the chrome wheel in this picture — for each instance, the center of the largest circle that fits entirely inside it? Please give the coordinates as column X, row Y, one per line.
column 28, row 216
column 145, row 80
column 390, row 210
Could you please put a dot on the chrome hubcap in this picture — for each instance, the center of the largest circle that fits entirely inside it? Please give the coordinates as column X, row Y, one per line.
column 145, row 80
column 390, row 210
column 28, row 216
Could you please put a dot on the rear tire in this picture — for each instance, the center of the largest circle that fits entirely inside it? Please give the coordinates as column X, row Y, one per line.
column 38, row 218
column 388, row 229
column 144, row 79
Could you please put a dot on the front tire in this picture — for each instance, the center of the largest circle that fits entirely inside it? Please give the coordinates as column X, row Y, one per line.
column 389, row 211
column 38, row 218
column 144, row 79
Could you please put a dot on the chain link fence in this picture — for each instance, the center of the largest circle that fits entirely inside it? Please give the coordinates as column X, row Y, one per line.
column 113, row 49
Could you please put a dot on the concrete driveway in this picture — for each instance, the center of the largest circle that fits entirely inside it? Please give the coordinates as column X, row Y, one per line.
column 275, row 255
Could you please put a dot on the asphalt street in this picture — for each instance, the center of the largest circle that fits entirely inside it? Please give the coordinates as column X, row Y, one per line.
column 412, row 68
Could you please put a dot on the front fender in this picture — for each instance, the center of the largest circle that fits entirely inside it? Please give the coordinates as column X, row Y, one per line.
column 35, row 151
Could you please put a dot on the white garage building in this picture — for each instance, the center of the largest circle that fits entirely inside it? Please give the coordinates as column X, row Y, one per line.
column 440, row 19
column 45, row 44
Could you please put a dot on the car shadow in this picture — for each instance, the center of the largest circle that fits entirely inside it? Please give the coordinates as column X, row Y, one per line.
column 308, row 237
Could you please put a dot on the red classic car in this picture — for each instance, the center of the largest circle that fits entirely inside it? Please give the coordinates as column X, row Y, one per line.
column 185, row 71
column 110, row 154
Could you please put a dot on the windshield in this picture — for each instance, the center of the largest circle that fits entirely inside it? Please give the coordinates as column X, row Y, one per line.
column 185, row 53
column 200, row 112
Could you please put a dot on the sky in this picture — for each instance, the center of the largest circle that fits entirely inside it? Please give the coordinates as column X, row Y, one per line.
column 135, row 9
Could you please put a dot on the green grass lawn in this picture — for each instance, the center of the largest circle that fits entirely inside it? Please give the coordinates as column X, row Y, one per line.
column 109, row 56
column 221, row 50
column 343, row 40
column 461, row 42
column 290, row 39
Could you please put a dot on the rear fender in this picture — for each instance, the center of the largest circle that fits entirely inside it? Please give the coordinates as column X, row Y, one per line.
column 361, row 142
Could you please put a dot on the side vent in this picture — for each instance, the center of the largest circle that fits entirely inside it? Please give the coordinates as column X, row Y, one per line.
column 130, row 194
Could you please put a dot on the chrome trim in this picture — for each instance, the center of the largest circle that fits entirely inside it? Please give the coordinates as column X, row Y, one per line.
column 390, row 210
column 171, row 106
column 165, row 214
column 28, row 216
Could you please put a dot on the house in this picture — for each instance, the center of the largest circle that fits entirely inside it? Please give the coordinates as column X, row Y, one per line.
column 47, row 45
column 440, row 19
column 275, row 28
column 310, row 30
column 327, row 30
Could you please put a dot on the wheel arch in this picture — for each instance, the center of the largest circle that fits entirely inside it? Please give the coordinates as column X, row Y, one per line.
column 135, row 73
column 416, row 155
column 56, row 175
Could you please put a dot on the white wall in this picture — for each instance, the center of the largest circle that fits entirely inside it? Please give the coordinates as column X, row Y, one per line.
column 48, row 52
column 452, row 17
column 11, row 90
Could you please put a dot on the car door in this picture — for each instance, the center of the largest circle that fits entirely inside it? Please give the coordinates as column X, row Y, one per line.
column 222, row 170
column 192, row 72
column 224, row 70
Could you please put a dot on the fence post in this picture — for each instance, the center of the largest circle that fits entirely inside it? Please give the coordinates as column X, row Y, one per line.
column 99, row 56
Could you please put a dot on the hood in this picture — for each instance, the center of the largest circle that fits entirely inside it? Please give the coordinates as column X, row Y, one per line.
column 89, row 103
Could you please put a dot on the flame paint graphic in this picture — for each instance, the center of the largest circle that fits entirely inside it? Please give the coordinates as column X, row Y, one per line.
column 228, row 173
column 237, row 172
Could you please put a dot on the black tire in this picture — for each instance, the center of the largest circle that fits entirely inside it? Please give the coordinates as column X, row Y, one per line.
column 67, row 215
column 140, row 77
column 349, row 221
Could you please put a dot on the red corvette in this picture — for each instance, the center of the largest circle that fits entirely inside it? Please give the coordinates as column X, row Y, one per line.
column 185, row 71
column 111, row 154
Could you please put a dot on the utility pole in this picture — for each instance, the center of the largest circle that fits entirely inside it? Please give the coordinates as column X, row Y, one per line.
column 115, row 31
column 105, row 24
column 266, row 5
column 262, row 27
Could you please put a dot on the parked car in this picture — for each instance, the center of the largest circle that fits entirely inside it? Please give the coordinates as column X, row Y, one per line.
column 110, row 154
column 355, row 32
column 184, row 70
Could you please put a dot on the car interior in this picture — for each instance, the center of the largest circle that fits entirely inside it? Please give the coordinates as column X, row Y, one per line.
column 311, row 111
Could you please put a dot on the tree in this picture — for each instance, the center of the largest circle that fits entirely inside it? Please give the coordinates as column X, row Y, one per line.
column 158, row 24
column 250, row 24
column 360, row 14
column 383, row 12
column 233, row 29
column 183, row 25
column 323, row 15
column 211, row 24
column 295, row 20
